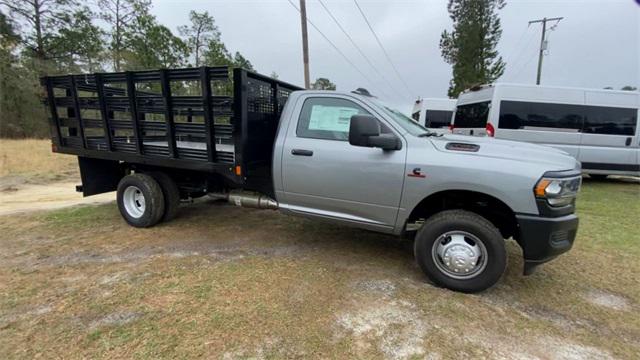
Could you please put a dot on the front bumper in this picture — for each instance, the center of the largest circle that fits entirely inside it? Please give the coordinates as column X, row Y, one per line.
column 544, row 238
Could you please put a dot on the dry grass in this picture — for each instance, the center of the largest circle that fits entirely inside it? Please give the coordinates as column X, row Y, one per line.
column 224, row 282
column 33, row 161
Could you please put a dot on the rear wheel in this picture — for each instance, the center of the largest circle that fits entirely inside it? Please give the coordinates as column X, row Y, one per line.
column 460, row 250
column 170, row 192
column 140, row 200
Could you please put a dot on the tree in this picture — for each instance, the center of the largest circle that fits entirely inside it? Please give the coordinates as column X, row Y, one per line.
column 41, row 22
column 274, row 75
column 200, row 33
column 241, row 62
column 21, row 114
column 120, row 16
column 629, row 88
column 80, row 44
column 471, row 47
column 216, row 54
column 9, row 38
column 153, row 46
column 323, row 84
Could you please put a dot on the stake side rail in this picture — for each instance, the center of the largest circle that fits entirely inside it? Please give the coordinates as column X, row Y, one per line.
column 209, row 119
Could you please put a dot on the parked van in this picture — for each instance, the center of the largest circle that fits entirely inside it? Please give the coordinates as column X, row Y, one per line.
column 596, row 126
column 434, row 113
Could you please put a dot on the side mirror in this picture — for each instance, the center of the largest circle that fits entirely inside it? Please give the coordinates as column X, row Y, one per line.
column 364, row 130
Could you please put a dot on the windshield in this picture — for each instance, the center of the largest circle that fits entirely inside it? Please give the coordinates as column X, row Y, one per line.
column 403, row 120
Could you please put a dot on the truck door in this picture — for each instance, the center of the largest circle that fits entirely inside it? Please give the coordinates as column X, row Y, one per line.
column 323, row 175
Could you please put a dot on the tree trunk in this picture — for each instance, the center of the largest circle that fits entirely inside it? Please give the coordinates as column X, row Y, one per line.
column 117, row 41
column 40, row 55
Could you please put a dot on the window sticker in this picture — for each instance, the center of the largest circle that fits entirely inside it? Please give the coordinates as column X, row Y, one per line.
column 331, row 118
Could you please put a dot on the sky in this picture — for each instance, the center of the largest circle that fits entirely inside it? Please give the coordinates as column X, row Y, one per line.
column 597, row 44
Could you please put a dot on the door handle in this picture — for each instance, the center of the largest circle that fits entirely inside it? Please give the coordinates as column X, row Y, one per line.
column 301, row 152
column 628, row 142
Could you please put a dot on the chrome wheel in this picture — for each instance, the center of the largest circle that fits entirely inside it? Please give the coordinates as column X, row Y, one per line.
column 133, row 201
column 459, row 254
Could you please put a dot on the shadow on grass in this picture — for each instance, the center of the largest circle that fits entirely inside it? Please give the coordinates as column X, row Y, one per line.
column 612, row 179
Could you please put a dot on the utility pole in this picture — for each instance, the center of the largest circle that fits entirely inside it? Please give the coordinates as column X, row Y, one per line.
column 305, row 43
column 542, row 43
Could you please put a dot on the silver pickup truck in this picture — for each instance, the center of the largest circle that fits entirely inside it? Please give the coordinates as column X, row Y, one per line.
column 343, row 157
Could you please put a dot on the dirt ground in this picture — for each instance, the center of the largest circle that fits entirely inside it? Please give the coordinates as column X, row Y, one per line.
column 225, row 282
column 20, row 197
column 33, row 178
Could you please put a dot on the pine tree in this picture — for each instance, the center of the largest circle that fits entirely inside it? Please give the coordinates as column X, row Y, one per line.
column 153, row 46
column 50, row 35
column 21, row 113
column 471, row 47
column 120, row 16
column 242, row 62
column 323, row 84
column 199, row 34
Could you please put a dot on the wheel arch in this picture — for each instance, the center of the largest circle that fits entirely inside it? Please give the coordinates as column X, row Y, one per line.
column 488, row 206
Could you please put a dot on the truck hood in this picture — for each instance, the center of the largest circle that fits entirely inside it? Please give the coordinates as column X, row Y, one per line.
column 553, row 158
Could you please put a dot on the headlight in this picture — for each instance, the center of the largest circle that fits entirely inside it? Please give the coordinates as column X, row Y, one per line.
column 558, row 191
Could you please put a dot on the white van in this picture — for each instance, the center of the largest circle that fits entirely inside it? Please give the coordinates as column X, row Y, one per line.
column 598, row 127
column 434, row 113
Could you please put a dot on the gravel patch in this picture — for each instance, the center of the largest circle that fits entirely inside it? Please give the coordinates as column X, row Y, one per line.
column 607, row 299
column 114, row 319
column 379, row 287
column 393, row 326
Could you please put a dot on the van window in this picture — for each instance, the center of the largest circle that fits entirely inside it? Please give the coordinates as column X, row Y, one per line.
column 530, row 115
column 610, row 120
column 416, row 116
column 438, row 118
column 472, row 115
column 588, row 119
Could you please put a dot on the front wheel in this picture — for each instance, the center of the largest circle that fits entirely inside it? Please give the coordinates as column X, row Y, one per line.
column 140, row 200
column 461, row 250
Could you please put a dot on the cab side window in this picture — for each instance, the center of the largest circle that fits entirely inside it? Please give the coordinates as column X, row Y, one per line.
column 328, row 118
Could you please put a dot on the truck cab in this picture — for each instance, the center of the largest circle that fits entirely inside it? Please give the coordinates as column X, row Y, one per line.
column 323, row 170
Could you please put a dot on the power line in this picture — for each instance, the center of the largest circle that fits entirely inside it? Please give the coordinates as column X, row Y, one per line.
column 338, row 50
column 356, row 46
column 519, row 42
column 524, row 66
column 382, row 47
column 525, row 45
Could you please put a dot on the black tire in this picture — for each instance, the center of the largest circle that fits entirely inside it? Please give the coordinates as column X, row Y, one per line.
column 150, row 190
column 598, row 177
column 471, row 223
column 171, row 194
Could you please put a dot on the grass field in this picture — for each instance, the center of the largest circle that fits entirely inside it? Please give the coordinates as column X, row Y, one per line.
column 31, row 160
column 225, row 282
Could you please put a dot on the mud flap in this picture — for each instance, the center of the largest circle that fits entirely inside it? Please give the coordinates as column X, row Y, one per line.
column 99, row 176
